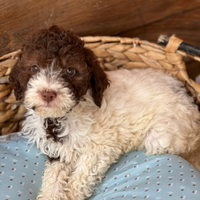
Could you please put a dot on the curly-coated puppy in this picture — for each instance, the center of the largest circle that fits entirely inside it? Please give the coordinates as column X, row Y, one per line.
column 83, row 118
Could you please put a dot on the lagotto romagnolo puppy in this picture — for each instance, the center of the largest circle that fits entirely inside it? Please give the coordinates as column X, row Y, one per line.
column 83, row 118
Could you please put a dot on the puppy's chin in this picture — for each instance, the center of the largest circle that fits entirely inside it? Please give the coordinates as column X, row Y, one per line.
column 51, row 112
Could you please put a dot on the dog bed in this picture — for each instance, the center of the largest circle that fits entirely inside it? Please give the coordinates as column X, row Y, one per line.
column 135, row 176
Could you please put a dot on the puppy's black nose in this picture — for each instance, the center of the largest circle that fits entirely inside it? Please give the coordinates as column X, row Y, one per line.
column 48, row 95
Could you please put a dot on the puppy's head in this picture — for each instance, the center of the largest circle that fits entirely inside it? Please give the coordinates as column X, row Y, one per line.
column 54, row 71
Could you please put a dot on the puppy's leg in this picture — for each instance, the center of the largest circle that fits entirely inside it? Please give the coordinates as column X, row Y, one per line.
column 162, row 141
column 187, row 146
column 89, row 171
column 54, row 185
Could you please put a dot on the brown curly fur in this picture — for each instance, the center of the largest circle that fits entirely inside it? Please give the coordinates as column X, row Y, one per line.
column 69, row 51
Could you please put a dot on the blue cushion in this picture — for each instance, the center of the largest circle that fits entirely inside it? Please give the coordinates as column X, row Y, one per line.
column 21, row 169
column 134, row 176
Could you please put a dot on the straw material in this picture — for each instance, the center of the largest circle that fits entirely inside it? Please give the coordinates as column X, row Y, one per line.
column 113, row 53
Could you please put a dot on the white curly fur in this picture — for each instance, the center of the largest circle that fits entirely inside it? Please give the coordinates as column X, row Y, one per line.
column 141, row 109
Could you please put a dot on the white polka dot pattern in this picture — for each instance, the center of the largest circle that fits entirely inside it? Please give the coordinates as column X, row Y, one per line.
column 140, row 177
column 21, row 169
column 134, row 176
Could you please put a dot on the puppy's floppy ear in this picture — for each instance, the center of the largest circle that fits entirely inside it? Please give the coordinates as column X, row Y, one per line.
column 15, row 81
column 99, row 81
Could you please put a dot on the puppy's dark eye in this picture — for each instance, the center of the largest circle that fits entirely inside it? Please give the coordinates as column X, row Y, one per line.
column 34, row 69
column 70, row 71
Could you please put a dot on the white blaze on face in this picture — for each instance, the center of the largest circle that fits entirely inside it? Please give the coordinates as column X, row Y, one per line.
column 49, row 79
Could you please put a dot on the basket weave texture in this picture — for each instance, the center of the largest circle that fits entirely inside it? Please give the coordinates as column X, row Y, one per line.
column 113, row 53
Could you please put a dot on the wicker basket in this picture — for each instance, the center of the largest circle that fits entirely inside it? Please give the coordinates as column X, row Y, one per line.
column 113, row 53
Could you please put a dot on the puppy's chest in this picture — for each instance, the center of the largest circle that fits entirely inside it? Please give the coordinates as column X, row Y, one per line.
column 53, row 128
